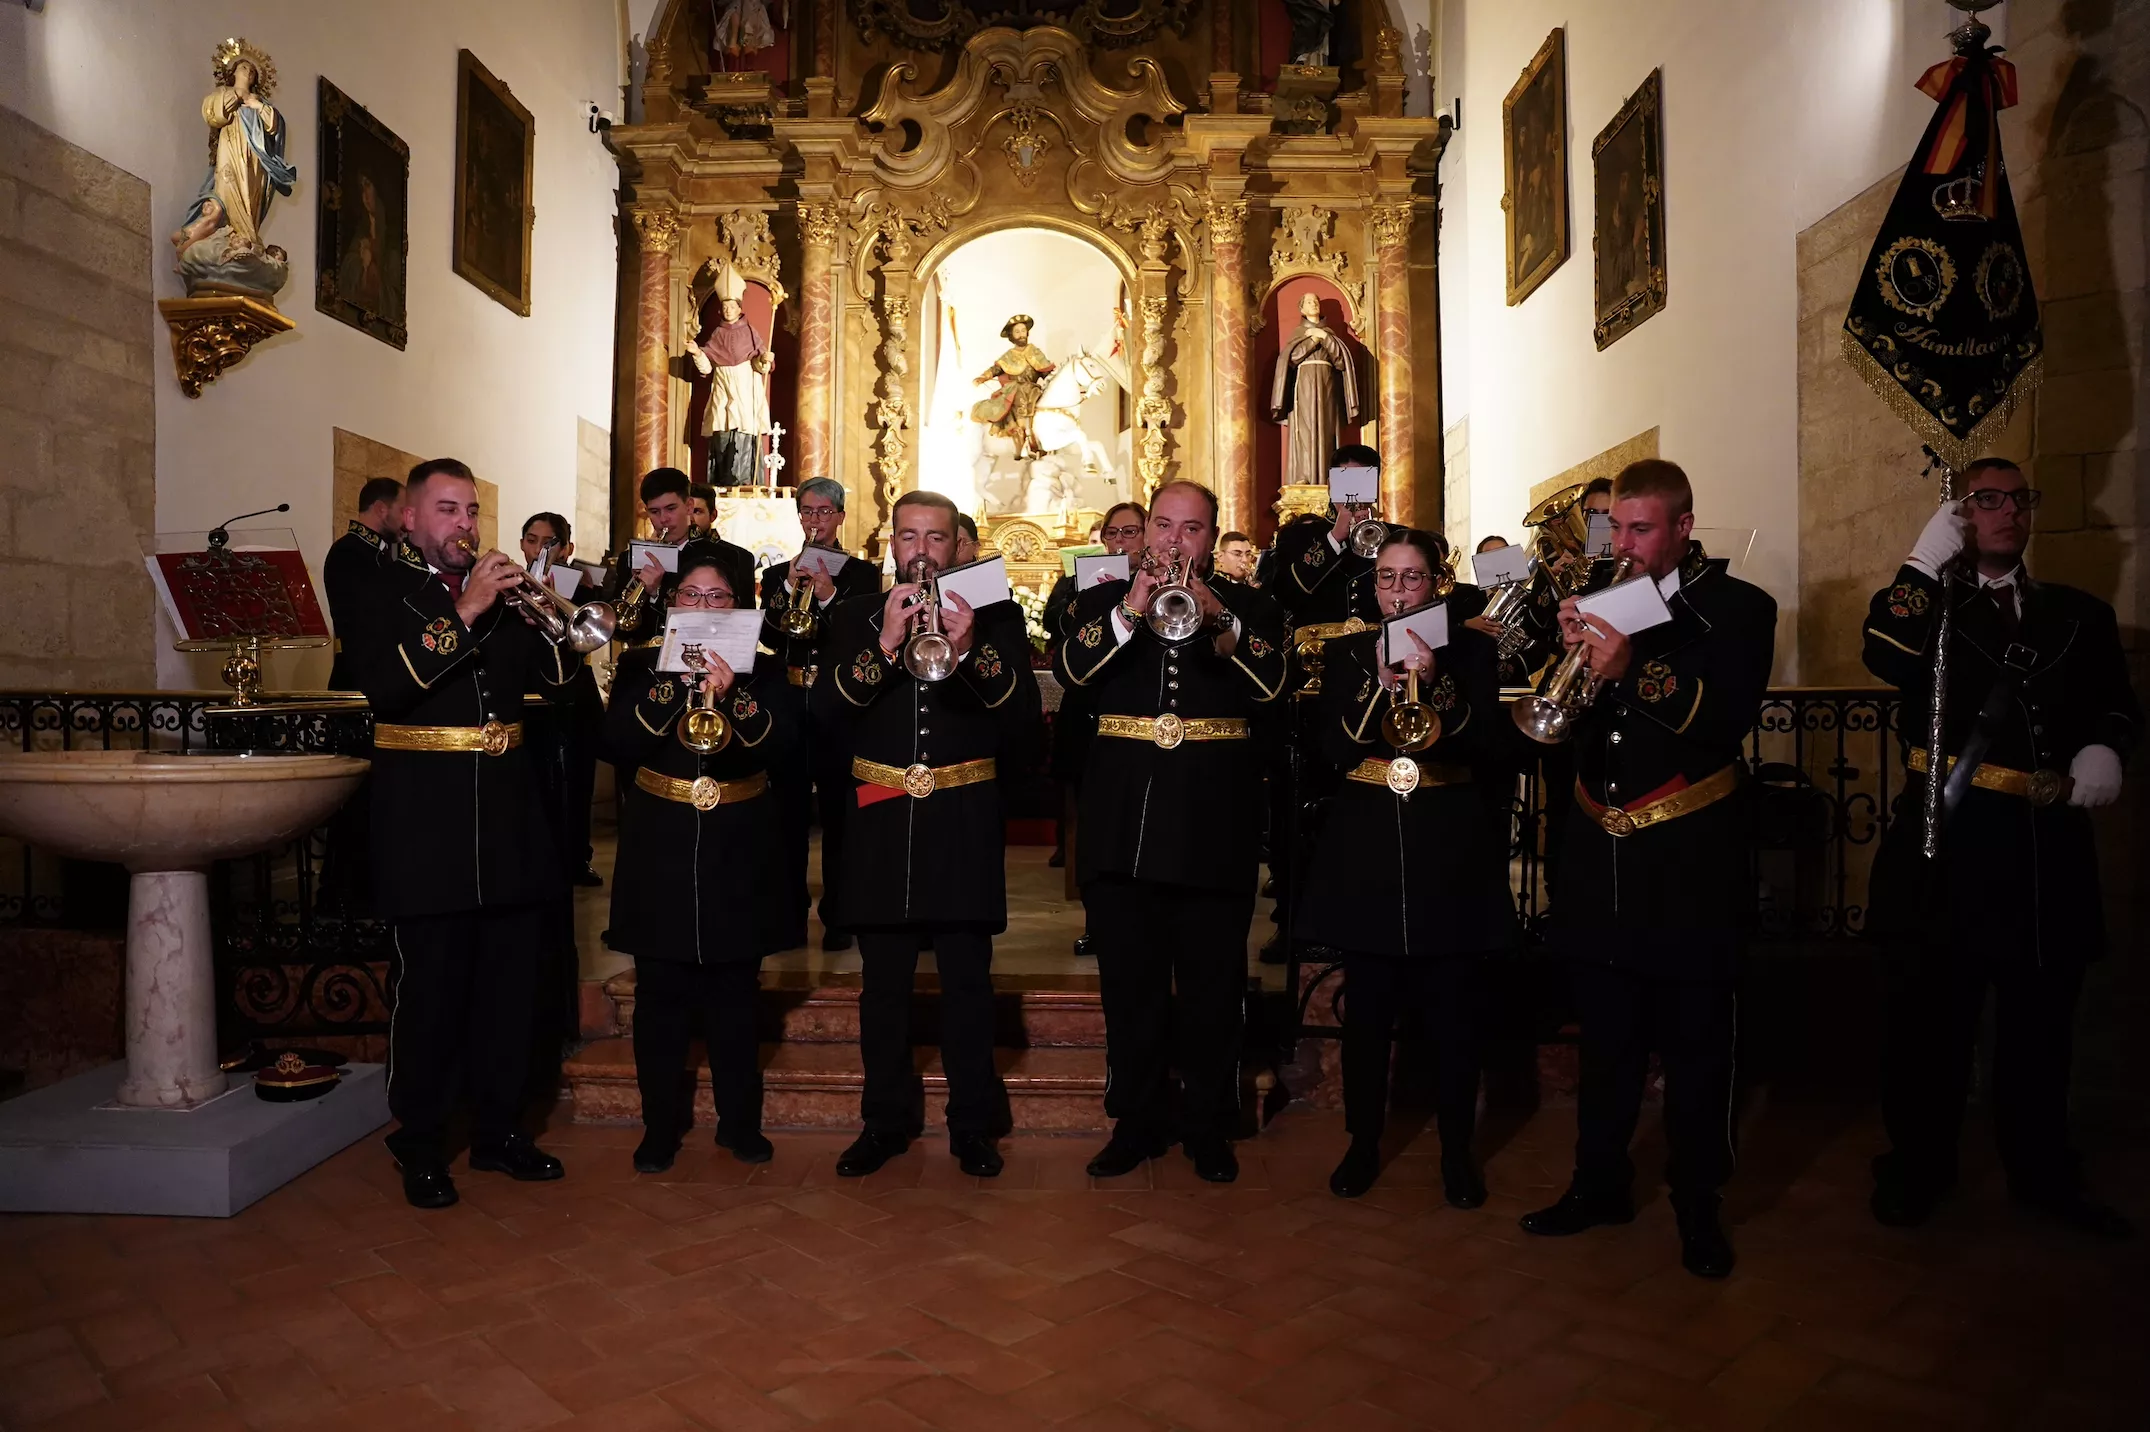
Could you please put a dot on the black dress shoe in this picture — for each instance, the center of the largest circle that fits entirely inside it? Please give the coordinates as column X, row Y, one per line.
column 519, row 1158
column 1704, row 1250
column 1214, row 1161
column 656, row 1152
column 2081, row 1212
column 588, row 876
column 1360, row 1167
column 833, row 941
column 1124, row 1153
column 428, row 1186
column 750, row 1146
column 1058, row 860
column 1082, row 947
column 975, row 1154
column 868, row 1152
column 1269, row 888
column 1574, row 1213
column 1462, row 1184
column 1273, row 951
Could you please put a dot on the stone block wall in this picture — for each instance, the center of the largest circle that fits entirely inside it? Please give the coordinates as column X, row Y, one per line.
column 593, row 498
column 77, row 416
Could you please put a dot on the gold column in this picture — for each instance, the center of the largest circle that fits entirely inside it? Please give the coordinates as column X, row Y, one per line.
column 1392, row 289
column 817, row 339
column 1153, row 410
column 1231, row 423
column 658, row 232
column 892, row 406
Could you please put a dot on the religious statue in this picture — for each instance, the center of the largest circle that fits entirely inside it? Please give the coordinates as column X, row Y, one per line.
column 736, row 361
column 1311, row 26
column 1315, row 394
column 1019, row 377
column 219, row 245
column 743, row 27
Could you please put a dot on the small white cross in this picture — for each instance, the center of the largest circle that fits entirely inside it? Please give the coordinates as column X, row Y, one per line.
column 773, row 464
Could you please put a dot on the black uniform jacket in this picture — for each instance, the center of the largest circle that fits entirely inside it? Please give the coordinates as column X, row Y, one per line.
column 936, row 861
column 1191, row 815
column 1075, row 723
column 346, row 573
column 454, row 830
column 1423, row 875
column 693, row 885
column 2014, row 878
column 646, row 619
column 1674, row 898
column 855, row 578
column 1315, row 582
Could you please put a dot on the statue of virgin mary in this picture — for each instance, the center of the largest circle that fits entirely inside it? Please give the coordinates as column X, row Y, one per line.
column 219, row 244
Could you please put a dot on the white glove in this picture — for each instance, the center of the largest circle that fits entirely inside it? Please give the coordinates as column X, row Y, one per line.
column 2096, row 773
column 1946, row 533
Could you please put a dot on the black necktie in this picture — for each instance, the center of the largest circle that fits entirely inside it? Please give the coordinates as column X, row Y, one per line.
column 2004, row 602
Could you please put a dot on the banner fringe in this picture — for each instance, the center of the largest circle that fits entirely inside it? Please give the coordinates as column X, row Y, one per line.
column 1957, row 452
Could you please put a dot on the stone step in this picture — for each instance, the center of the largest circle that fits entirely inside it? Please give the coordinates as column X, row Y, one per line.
column 817, row 1086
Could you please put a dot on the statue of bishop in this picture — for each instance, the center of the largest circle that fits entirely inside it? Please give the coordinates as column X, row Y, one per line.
column 736, row 361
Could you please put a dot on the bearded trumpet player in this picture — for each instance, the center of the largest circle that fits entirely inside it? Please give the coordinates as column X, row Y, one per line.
column 926, row 696
column 1657, row 887
column 464, row 856
column 1171, row 822
column 1409, row 877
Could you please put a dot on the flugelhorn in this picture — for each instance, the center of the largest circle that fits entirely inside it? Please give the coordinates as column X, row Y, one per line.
column 1549, row 717
column 1411, row 725
column 1368, row 534
column 1175, row 612
column 799, row 620
column 702, row 727
column 582, row 627
column 927, row 653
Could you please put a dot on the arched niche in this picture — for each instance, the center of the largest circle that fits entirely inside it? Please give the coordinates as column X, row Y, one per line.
column 759, row 306
column 1280, row 315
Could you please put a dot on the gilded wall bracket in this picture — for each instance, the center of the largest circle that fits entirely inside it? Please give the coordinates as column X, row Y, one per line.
column 213, row 332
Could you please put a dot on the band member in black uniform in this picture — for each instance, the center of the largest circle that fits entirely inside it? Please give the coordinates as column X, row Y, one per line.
column 1658, row 890
column 583, row 729
column 1410, row 874
column 693, row 899
column 2040, row 708
column 702, row 506
column 1171, row 823
column 924, row 856
column 1235, row 557
column 813, row 759
column 372, row 538
column 464, row 856
column 667, row 502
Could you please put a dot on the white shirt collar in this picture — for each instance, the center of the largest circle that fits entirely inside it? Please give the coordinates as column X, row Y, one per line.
column 2015, row 577
column 1668, row 584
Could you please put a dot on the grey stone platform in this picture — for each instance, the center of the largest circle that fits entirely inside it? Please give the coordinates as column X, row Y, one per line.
column 61, row 1153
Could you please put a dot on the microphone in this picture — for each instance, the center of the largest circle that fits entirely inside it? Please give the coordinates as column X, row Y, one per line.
column 218, row 536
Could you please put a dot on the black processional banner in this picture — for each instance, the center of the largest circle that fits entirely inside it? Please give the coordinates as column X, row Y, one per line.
column 1944, row 323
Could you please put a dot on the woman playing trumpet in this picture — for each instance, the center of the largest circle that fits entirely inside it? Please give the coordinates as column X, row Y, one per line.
column 694, row 893
column 1409, row 877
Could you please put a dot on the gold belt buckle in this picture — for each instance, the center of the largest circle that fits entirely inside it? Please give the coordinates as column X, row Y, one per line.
column 1616, row 821
column 1168, row 731
column 705, row 793
column 493, row 738
column 1403, row 775
column 2045, row 787
column 918, row 780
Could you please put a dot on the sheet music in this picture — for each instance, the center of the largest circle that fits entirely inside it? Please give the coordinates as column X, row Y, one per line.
column 1089, row 571
column 730, row 634
column 818, row 559
column 1501, row 566
column 1357, row 485
column 1635, row 605
column 639, row 553
column 980, row 583
column 1430, row 623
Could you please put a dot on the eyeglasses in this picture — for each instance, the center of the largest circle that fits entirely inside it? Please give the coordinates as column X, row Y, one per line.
column 1409, row 581
column 696, row 597
column 1992, row 499
column 1121, row 532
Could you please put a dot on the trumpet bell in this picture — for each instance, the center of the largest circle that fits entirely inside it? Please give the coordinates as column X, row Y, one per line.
column 1175, row 613
column 798, row 620
column 1544, row 721
column 1367, row 536
column 929, row 656
column 703, row 729
column 591, row 627
column 1411, row 727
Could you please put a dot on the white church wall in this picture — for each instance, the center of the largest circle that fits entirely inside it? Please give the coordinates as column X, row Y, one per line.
column 124, row 79
column 1773, row 116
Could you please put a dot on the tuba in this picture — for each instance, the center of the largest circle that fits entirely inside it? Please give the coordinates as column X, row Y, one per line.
column 581, row 627
column 702, row 727
column 927, row 654
column 1175, row 612
column 1549, row 717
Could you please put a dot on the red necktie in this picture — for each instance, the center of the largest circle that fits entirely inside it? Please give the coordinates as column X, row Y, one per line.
column 453, row 581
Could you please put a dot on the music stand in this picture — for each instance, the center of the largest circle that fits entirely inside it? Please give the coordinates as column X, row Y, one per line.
column 239, row 592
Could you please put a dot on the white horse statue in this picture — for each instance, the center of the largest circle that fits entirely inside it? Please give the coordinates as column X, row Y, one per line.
column 1071, row 453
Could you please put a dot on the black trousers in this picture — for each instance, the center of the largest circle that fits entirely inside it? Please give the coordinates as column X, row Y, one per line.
column 895, row 1097
column 462, row 1005
column 792, row 775
column 585, row 730
column 1172, row 973
column 829, row 758
column 1377, row 991
column 1935, row 997
column 671, row 998
column 1693, row 1024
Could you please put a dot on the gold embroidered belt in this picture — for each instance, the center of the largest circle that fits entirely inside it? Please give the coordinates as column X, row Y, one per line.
column 703, row 792
column 1169, row 730
column 2040, row 788
column 1617, row 820
column 922, row 780
column 801, row 675
column 494, row 738
column 1404, row 775
column 1329, row 631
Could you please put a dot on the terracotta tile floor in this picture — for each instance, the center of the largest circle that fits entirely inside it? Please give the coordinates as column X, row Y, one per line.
column 727, row 1298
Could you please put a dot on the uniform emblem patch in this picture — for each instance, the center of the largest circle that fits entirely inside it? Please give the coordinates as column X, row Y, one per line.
column 1442, row 695
column 663, row 691
column 988, row 660
column 439, row 636
column 1657, row 682
column 1906, row 600
column 1315, row 555
column 744, row 706
column 1093, row 633
column 865, row 670
column 1366, row 689
column 1258, row 647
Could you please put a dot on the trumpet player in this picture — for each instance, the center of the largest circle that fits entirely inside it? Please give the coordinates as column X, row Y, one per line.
column 464, row 856
column 549, row 539
column 1657, row 889
column 812, row 770
column 1171, row 829
column 927, row 696
column 693, row 899
column 641, row 595
column 1409, row 877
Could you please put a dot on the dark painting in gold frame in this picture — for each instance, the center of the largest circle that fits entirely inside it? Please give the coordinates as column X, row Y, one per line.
column 362, row 233
column 495, row 141
column 1534, row 145
column 1628, row 195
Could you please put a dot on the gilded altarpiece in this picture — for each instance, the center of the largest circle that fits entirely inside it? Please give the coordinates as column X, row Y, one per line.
column 888, row 146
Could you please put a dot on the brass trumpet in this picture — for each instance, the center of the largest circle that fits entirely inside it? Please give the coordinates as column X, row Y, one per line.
column 582, row 627
column 1549, row 717
column 927, row 653
column 1175, row 612
column 1411, row 725
column 1367, row 535
column 799, row 620
column 702, row 727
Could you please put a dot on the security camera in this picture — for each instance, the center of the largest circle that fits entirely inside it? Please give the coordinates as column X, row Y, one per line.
column 601, row 119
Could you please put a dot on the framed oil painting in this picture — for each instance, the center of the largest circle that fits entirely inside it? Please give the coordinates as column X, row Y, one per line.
column 1629, row 193
column 494, row 142
column 362, row 219
column 1534, row 141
